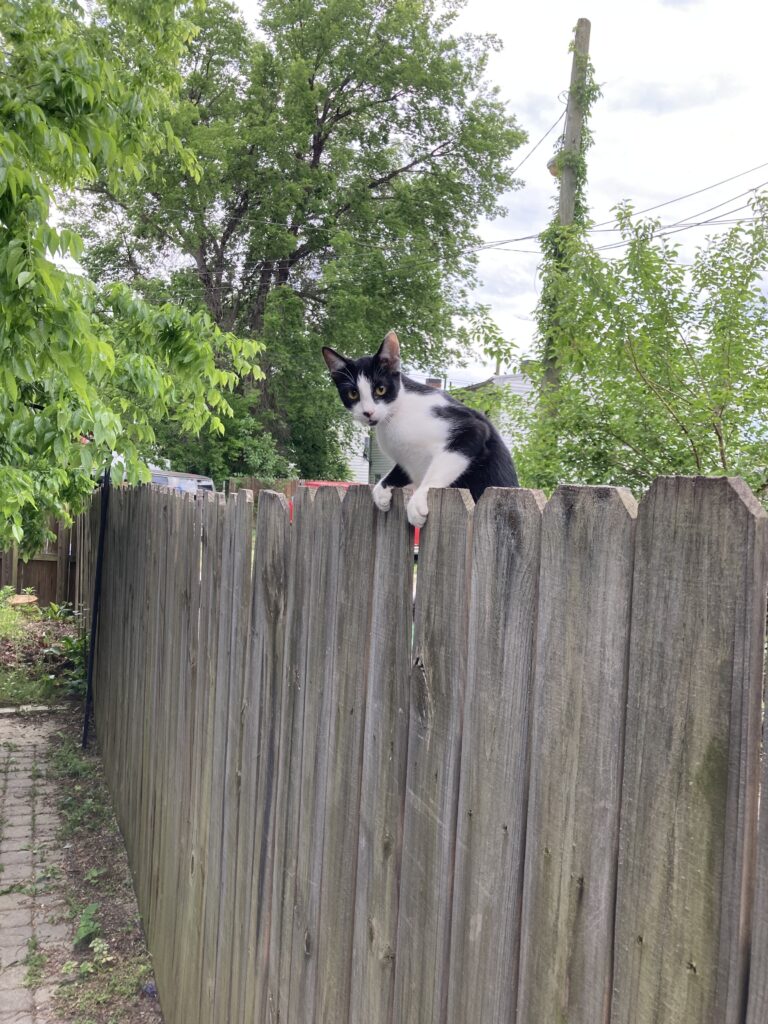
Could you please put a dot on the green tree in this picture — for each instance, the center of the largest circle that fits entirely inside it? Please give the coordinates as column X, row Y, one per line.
column 85, row 97
column 663, row 365
column 348, row 150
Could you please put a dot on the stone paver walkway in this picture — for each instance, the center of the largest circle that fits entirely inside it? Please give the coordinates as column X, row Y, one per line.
column 32, row 920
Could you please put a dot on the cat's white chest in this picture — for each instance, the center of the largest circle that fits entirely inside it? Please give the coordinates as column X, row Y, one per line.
column 412, row 435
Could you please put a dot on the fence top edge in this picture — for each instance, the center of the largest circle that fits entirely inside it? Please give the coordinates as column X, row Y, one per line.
column 734, row 488
column 577, row 495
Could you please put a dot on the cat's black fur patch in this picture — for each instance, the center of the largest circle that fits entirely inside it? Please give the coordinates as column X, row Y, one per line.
column 475, row 436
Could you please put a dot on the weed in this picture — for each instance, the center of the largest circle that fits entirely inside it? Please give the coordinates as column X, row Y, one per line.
column 58, row 612
column 11, row 623
column 17, row 686
column 88, row 928
column 34, row 961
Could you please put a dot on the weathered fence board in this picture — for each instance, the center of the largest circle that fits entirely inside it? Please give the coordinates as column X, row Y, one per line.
column 692, row 754
column 382, row 787
column 577, row 727
column 264, row 701
column 758, row 974
column 335, row 815
column 289, row 755
column 346, row 692
column 438, row 678
column 321, row 652
column 493, row 796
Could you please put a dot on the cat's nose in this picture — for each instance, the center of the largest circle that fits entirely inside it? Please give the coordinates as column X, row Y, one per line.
column 367, row 414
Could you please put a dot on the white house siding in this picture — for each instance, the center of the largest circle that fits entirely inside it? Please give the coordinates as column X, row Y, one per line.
column 357, row 457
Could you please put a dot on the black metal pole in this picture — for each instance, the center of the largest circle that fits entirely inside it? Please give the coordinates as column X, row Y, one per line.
column 96, row 603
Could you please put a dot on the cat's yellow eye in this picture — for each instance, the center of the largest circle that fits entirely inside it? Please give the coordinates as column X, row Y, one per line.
column 353, row 395
column 381, row 390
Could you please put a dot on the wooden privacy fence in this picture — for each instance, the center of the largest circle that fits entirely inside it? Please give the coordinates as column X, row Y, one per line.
column 51, row 573
column 535, row 803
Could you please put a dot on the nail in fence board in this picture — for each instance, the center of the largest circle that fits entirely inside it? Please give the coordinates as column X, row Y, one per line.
column 690, row 773
column 577, row 723
column 264, row 691
column 493, row 794
column 385, row 747
column 346, row 686
column 434, row 743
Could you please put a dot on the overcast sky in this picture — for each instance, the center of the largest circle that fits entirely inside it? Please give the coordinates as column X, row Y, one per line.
column 683, row 107
column 683, row 103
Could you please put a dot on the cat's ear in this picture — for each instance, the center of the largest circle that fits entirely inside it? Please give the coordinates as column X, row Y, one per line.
column 389, row 352
column 335, row 362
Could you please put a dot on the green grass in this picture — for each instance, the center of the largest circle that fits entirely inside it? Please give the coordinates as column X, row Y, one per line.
column 18, row 686
column 34, row 961
column 11, row 622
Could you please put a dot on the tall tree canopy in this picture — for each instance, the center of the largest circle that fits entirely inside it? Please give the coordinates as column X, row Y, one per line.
column 85, row 371
column 662, row 364
column 347, row 150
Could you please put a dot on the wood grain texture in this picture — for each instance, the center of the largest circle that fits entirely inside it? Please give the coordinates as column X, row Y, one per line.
column 579, row 696
column 438, row 677
column 347, row 694
column 232, row 921
column 493, row 793
column 385, row 748
column 321, row 658
column 757, row 1012
column 262, row 727
column 287, row 804
column 691, row 763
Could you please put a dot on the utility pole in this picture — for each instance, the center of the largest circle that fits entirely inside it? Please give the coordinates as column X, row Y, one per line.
column 574, row 119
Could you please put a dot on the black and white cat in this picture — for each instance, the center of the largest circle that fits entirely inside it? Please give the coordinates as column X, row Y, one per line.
column 434, row 439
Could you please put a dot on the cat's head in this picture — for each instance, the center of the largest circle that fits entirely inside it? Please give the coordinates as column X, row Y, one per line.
column 368, row 386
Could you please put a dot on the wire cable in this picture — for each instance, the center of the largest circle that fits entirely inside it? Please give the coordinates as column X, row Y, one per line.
column 543, row 137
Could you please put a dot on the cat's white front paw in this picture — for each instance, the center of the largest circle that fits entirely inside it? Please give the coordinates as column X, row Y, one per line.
column 417, row 509
column 382, row 497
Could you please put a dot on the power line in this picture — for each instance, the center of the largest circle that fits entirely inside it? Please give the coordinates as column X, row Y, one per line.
column 689, row 195
column 543, row 137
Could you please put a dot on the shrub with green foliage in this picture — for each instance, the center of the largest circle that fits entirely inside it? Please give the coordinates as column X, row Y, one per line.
column 86, row 370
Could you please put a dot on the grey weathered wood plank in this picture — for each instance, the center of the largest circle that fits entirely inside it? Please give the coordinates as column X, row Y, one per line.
column 438, row 678
column 265, row 691
column 382, row 793
column 321, row 656
column 204, row 871
column 167, row 817
column 757, row 1011
column 493, row 793
column 578, row 702
column 289, row 754
column 220, row 810
column 188, row 710
column 690, row 777
column 352, row 641
column 232, row 919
